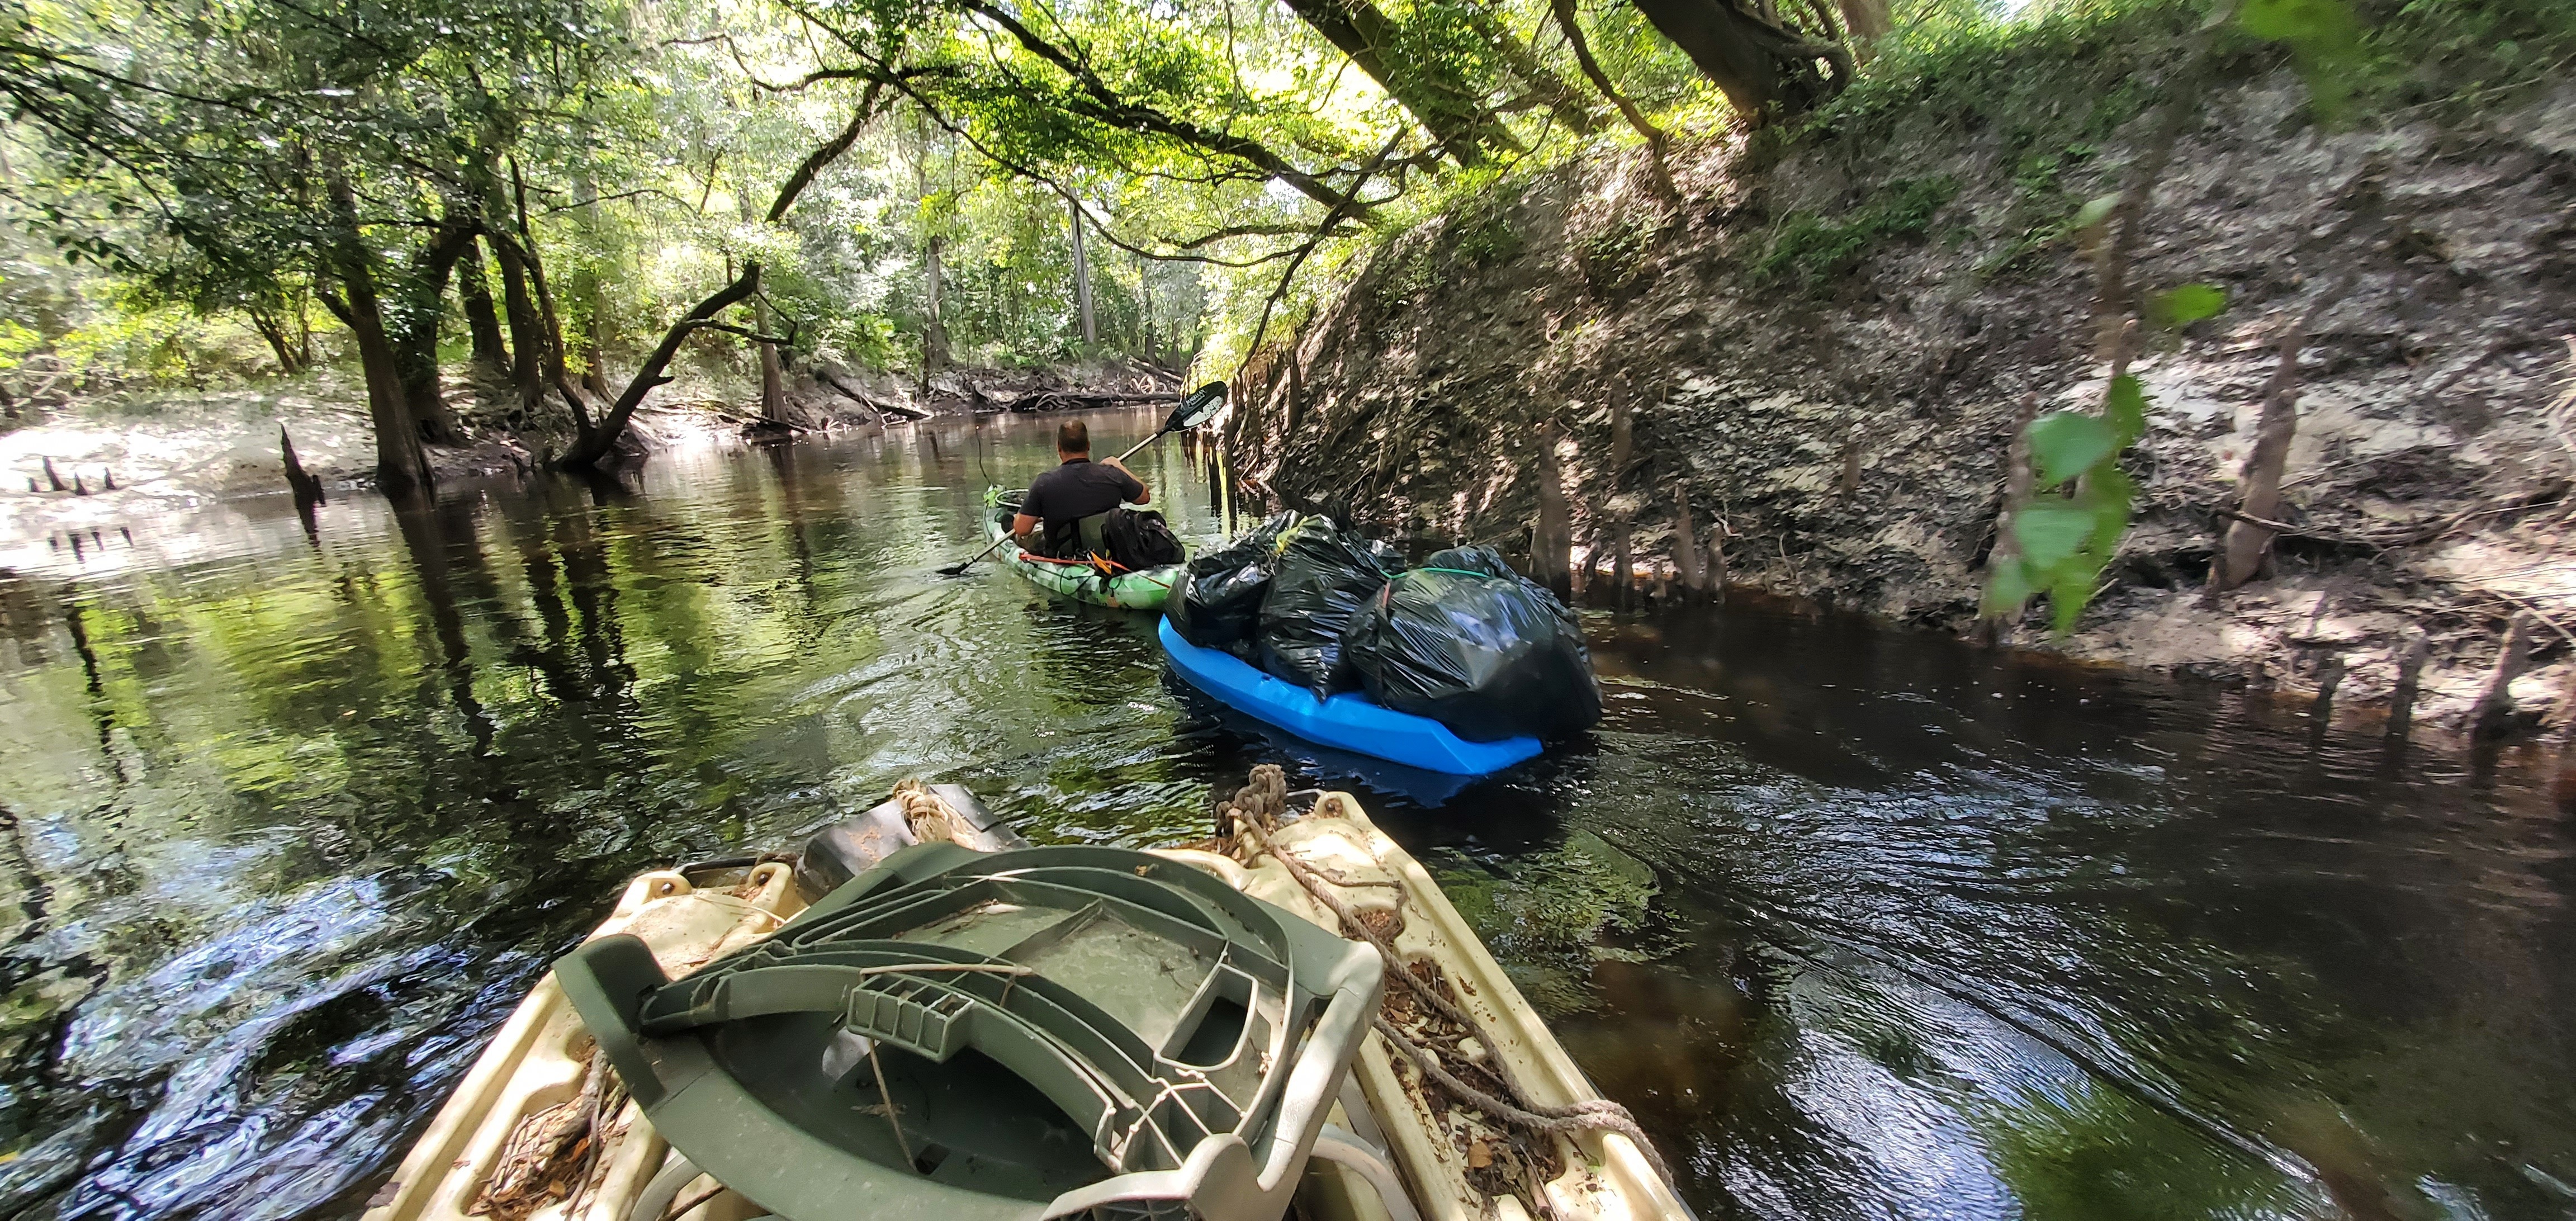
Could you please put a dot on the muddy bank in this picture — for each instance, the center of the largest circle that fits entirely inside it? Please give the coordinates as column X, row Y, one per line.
column 1825, row 346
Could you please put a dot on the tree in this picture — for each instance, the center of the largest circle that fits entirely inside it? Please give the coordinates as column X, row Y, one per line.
column 1420, row 65
column 1765, row 69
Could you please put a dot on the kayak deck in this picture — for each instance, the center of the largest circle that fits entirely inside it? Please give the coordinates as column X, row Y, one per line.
column 1460, row 1163
column 1139, row 590
column 1347, row 720
column 539, row 1131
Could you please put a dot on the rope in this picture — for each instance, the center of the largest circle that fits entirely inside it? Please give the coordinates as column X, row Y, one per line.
column 1593, row 1113
column 927, row 815
column 1521, row 1110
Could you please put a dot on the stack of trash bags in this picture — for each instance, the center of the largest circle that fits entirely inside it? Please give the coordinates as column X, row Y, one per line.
column 1461, row 639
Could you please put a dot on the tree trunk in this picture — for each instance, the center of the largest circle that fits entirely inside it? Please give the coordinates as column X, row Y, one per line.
column 402, row 466
column 773, row 391
column 412, row 329
column 1623, row 574
column 1623, row 437
column 1765, row 71
column 527, row 331
column 1686, row 544
column 934, row 330
column 272, row 330
column 1865, row 22
column 1082, row 283
column 598, row 440
column 482, row 321
column 551, row 368
column 1145, row 311
column 1445, row 107
column 1552, row 535
column 2249, row 545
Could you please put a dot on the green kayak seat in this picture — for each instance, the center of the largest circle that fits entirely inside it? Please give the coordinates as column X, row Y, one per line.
column 957, row 1035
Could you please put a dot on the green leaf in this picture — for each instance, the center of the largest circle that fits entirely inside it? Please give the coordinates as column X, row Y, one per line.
column 2067, row 596
column 2051, row 532
column 2108, row 495
column 2325, row 44
column 2063, row 444
column 2188, row 304
column 2094, row 212
column 2125, row 409
column 2296, row 20
column 2008, row 587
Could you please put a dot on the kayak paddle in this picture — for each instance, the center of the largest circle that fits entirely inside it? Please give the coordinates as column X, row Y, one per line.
column 1200, row 407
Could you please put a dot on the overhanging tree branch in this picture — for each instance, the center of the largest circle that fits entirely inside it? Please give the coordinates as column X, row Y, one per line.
column 825, row 155
column 595, row 443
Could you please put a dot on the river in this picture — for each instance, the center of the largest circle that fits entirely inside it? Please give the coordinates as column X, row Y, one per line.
column 1861, row 923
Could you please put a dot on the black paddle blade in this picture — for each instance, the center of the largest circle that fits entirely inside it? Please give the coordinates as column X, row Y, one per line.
column 1200, row 407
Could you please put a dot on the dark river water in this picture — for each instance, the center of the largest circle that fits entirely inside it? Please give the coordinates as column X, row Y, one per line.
column 1862, row 924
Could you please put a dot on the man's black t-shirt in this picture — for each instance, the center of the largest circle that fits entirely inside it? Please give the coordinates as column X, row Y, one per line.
column 1078, row 489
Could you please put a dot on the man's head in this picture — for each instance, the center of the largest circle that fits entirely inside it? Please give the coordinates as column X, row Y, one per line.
column 1073, row 440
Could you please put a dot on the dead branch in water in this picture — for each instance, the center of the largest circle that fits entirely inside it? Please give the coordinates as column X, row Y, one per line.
column 2495, row 702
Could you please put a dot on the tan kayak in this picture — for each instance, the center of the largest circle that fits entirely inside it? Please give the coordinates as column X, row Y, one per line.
column 1459, row 1107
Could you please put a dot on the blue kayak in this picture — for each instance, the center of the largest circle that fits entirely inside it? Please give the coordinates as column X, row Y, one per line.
column 1348, row 720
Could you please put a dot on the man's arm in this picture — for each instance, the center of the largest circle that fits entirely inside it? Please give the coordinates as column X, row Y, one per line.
column 1141, row 494
column 1021, row 525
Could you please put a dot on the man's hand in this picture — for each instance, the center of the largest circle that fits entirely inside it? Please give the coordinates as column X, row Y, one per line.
column 1021, row 525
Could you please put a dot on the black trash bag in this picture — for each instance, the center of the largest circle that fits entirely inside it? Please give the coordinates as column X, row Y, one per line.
column 1479, row 648
column 1218, row 605
column 1324, row 576
column 1140, row 539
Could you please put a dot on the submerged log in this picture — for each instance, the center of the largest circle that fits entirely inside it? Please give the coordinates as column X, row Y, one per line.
column 831, row 376
column 307, row 489
column 2401, row 696
column 2488, row 716
column 2330, row 671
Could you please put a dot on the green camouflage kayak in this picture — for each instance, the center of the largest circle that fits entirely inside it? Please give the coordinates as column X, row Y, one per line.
column 1143, row 590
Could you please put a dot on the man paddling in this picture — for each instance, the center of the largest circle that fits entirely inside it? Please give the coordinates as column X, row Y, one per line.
column 1071, row 501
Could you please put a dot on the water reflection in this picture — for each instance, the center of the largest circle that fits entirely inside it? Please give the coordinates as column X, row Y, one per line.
column 1861, row 924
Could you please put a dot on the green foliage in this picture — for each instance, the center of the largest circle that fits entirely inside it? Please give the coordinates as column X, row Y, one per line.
column 1810, row 249
column 2188, row 304
column 2067, row 533
column 2064, row 444
column 2325, row 43
column 1613, row 256
column 1487, row 237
